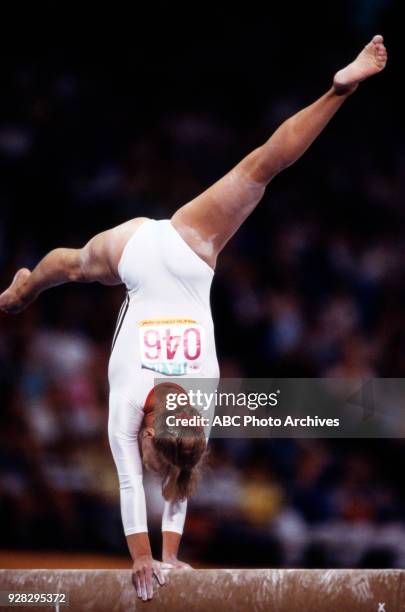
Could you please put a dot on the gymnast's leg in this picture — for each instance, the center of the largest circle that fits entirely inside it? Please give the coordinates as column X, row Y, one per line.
column 208, row 221
column 96, row 261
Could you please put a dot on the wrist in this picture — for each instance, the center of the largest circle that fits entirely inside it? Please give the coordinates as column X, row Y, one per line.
column 170, row 545
column 169, row 556
column 139, row 546
column 143, row 557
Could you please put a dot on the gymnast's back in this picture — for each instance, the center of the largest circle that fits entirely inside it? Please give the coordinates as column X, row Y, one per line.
column 165, row 326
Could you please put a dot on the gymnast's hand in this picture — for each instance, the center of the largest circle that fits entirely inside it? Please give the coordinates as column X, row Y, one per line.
column 143, row 570
column 175, row 563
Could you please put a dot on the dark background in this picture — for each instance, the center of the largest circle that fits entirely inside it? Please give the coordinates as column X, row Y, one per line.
column 105, row 116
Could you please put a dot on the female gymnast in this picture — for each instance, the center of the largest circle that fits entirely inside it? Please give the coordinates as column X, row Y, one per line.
column 165, row 326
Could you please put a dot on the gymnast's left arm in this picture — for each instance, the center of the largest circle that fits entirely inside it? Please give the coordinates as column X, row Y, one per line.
column 174, row 515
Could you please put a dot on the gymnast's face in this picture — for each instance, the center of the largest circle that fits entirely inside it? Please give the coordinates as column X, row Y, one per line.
column 150, row 457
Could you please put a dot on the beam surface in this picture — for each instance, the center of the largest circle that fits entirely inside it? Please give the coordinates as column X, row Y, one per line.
column 244, row 590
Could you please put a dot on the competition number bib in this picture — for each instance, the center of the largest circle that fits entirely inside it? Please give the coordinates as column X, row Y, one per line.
column 171, row 346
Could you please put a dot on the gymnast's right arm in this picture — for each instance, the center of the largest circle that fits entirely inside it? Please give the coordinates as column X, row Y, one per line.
column 123, row 426
column 96, row 261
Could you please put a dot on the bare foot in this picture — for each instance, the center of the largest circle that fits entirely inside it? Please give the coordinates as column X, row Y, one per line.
column 11, row 300
column 371, row 60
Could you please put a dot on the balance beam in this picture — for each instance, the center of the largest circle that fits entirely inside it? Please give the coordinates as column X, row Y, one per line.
column 242, row 590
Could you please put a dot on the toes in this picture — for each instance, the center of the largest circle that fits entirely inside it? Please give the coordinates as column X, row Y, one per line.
column 377, row 39
column 382, row 56
column 380, row 50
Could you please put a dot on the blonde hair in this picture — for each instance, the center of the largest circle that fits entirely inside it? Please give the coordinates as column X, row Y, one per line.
column 181, row 450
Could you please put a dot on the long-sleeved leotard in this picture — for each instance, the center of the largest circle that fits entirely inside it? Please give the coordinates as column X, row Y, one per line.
column 164, row 329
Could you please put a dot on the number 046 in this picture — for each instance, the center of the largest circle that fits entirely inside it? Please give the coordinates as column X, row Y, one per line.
column 161, row 344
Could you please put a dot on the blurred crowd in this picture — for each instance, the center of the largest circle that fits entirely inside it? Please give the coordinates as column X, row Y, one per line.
column 311, row 286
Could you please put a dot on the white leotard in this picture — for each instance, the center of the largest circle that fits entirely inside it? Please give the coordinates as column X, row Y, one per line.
column 164, row 328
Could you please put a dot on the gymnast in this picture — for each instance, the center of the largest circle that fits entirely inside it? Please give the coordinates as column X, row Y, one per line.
column 165, row 327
